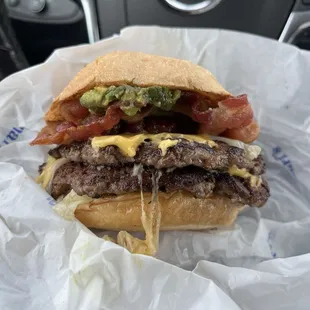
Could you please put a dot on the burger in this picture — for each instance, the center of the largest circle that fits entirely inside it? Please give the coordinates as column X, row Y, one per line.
column 150, row 143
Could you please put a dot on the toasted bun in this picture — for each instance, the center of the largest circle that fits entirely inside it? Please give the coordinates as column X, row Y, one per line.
column 142, row 70
column 179, row 211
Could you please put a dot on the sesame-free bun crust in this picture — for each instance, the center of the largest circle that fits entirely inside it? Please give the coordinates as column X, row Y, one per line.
column 139, row 69
column 179, row 211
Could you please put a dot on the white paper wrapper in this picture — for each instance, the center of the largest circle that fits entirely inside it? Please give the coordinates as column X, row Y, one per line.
column 47, row 262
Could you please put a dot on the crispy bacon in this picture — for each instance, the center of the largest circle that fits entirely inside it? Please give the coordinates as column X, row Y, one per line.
column 49, row 134
column 215, row 118
column 66, row 132
column 95, row 125
column 234, row 112
column 73, row 111
column 64, row 126
column 232, row 117
column 246, row 134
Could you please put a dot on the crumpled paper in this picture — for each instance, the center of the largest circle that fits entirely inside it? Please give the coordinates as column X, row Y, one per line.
column 263, row 262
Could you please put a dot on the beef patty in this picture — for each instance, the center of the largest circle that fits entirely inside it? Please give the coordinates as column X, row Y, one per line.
column 96, row 181
column 183, row 154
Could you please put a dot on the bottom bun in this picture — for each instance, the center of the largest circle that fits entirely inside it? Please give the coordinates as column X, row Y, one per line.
column 179, row 211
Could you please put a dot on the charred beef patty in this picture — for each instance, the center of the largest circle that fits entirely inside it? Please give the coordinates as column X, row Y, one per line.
column 183, row 154
column 96, row 181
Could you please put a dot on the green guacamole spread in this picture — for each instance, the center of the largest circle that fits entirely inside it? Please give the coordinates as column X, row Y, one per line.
column 132, row 98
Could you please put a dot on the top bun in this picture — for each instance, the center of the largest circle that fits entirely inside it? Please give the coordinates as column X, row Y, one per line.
column 139, row 69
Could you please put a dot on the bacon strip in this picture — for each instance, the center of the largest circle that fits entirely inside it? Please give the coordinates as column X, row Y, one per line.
column 232, row 117
column 50, row 135
column 214, row 119
column 234, row 112
column 73, row 111
column 66, row 132
column 246, row 134
column 95, row 125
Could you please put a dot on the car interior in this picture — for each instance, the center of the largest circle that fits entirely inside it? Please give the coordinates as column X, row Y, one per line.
column 30, row 30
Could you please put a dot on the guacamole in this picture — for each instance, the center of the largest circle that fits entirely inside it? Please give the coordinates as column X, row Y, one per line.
column 132, row 98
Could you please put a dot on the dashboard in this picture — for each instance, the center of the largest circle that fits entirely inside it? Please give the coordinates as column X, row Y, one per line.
column 43, row 25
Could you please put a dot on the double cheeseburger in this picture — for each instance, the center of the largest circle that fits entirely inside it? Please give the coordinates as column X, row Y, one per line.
column 149, row 143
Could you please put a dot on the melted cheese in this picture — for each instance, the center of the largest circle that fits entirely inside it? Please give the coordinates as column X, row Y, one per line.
column 128, row 144
column 165, row 144
column 255, row 181
column 46, row 177
column 251, row 151
column 150, row 219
